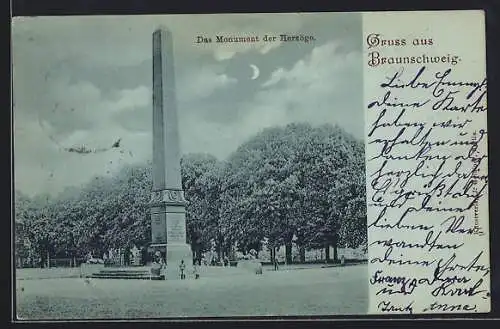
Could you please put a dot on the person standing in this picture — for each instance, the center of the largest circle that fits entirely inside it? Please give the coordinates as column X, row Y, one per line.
column 111, row 255
column 195, row 271
column 126, row 256
column 276, row 264
column 182, row 268
column 158, row 266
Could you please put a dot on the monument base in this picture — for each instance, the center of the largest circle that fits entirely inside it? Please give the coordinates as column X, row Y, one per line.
column 175, row 254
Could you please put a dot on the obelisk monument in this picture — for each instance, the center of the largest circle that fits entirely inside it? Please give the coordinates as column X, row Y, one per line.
column 168, row 206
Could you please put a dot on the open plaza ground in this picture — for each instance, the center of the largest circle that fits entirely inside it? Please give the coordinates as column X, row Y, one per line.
column 306, row 290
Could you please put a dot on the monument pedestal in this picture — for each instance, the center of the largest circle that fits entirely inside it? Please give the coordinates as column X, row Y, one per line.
column 175, row 254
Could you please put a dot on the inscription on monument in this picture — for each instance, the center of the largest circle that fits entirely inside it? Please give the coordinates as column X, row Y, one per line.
column 158, row 225
column 176, row 228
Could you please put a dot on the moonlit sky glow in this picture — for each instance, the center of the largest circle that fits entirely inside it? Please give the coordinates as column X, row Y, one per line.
column 87, row 81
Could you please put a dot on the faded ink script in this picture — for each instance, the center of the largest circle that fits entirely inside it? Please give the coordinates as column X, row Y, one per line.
column 427, row 186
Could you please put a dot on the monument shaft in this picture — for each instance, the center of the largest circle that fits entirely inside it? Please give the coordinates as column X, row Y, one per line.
column 168, row 206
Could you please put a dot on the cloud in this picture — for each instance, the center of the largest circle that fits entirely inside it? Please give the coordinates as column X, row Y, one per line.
column 43, row 166
column 276, row 77
column 323, row 64
column 323, row 87
column 268, row 47
column 81, row 105
column 202, row 83
column 130, row 99
column 223, row 54
column 83, row 80
column 81, row 115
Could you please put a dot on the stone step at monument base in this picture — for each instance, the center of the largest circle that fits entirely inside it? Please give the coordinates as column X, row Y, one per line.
column 144, row 272
column 126, row 273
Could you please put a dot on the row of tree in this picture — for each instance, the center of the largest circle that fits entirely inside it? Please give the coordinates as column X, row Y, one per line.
column 294, row 184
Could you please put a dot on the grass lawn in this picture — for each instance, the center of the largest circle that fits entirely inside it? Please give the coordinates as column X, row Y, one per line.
column 313, row 291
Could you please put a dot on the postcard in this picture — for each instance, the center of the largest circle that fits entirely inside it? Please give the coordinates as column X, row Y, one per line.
column 250, row 165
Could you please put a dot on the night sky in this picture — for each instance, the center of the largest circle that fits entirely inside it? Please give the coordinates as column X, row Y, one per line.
column 87, row 81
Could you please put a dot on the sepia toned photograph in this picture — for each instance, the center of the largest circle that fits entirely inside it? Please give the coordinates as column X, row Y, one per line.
column 189, row 166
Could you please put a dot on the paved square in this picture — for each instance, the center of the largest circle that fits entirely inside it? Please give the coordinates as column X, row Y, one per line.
column 311, row 291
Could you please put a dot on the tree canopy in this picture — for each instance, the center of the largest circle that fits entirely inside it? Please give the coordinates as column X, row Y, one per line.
column 295, row 183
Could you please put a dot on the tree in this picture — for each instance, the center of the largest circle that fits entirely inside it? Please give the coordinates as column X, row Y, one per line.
column 33, row 221
column 351, row 200
column 22, row 221
column 284, row 183
column 256, row 172
column 268, row 192
column 201, row 184
column 293, row 183
column 127, row 212
column 334, row 163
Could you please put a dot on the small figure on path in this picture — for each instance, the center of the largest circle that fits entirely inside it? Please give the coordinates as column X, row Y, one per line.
column 182, row 267
column 195, row 271
column 158, row 265
column 276, row 264
column 342, row 260
column 258, row 269
column 126, row 256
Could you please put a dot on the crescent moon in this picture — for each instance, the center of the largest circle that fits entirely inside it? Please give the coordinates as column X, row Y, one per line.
column 256, row 71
